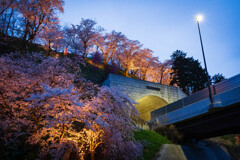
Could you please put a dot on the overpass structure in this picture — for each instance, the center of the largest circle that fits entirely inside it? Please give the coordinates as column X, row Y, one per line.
column 149, row 96
column 196, row 117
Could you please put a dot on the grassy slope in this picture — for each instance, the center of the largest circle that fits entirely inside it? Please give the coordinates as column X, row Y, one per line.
column 152, row 142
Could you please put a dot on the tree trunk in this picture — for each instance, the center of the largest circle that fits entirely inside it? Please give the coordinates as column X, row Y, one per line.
column 144, row 76
column 126, row 72
column 161, row 77
column 65, row 51
column 25, row 37
column 105, row 61
column 81, row 157
column 61, row 137
column 92, row 155
column 85, row 50
column 49, row 47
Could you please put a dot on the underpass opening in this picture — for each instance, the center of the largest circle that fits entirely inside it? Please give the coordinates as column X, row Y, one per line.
column 147, row 104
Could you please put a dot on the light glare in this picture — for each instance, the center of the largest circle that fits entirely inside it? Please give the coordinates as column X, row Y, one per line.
column 199, row 18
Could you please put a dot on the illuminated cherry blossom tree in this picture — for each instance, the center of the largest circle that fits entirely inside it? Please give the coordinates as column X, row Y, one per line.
column 129, row 55
column 86, row 33
column 37, row 14
column 49, row 110
column 108, row 44
column 161, row 72
column 52, row 38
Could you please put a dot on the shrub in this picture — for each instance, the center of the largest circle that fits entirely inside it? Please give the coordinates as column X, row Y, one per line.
column 151, row 141
column 171, row 132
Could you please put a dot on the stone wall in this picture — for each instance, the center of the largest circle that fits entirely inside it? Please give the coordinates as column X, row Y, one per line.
column 137, row 89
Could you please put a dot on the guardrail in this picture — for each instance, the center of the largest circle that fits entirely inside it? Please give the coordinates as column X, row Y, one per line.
column 198, row 96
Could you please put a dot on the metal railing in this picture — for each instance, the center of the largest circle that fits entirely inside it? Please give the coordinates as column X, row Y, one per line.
column 219, row 88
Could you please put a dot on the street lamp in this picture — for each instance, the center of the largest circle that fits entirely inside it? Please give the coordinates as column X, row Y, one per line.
column 199, row 19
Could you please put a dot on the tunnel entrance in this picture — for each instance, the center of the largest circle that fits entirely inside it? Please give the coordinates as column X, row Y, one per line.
column 147, row 104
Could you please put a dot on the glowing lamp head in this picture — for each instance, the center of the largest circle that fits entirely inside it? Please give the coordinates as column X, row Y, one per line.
column 199, row 18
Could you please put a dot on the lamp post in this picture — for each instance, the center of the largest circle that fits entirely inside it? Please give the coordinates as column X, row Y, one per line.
column 200, row 18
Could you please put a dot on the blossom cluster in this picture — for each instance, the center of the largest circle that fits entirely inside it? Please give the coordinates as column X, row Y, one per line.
column 48, row 111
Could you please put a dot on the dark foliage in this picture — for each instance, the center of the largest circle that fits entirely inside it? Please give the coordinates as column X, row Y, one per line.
column 217, row 78
column 187, row 73
column 171, row 132
column 97, row 58
column 13, row 44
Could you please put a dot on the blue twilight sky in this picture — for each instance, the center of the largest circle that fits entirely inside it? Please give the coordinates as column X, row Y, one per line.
column 167, row 25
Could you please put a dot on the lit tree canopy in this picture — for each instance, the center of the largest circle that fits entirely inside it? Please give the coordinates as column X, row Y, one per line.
column 49, row 111
column 37, row 14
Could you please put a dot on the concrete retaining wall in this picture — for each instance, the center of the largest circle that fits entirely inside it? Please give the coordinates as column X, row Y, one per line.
column 137, row 89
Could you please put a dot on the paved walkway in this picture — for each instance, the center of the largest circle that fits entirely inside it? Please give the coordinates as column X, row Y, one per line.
column 171, row 152
column 193, row 151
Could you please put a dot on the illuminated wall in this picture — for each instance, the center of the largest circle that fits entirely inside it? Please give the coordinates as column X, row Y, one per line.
column 147, row 104
column 149, row 95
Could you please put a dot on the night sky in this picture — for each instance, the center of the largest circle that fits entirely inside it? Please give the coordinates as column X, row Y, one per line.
column 167, row 25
